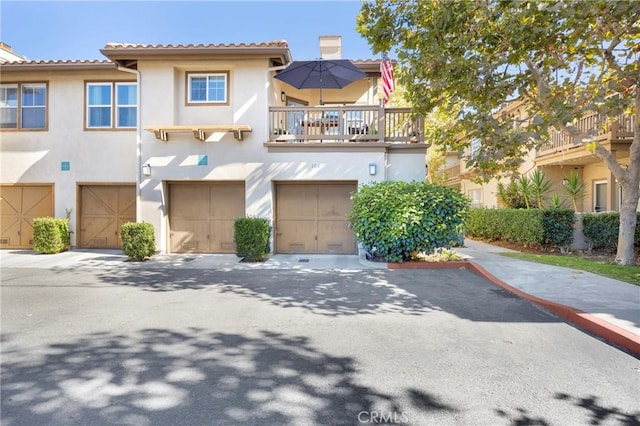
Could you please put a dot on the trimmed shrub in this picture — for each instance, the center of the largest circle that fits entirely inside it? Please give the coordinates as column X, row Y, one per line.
column 138, row 240
column 530, row 227
column 601, row 230
column 558, row 225
column 50, row 235
column 251, row 235
column 394, row 219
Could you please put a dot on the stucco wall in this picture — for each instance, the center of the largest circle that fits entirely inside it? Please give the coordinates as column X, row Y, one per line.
column 162, row 104
column 94, row 156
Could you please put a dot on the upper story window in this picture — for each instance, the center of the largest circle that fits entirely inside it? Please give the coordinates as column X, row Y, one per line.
column 111, row 105
column 23, row 106
column 209, row 88
column 474, row 147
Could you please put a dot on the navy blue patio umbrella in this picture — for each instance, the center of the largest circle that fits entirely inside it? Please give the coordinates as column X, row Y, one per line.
column 320, row 74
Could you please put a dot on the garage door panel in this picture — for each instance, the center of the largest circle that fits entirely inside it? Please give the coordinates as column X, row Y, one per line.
column 126, row 204
column 202, row 215
column 312, row 218
column 189, row 201
column 99, row 200
column 296, row 236
column 36, row 202
column 225, row 202
column 190, row 236
column 335, row 236
column 222, row 236
column 297, row 201
column 99, row 232
column 19, row 205
column 334, row 201
column 103, row 211
column 10, row 201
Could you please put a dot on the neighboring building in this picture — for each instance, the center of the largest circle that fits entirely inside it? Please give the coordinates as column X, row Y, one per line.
column 557, row 159
column 7, row 54
column 188, row 138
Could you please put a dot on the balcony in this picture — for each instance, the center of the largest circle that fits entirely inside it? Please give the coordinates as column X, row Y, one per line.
column 352, row 124
column 452, row 174
column 615, row 132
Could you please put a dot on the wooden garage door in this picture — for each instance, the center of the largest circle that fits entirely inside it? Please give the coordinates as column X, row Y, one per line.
column 103, row 209
column 312, row 218
column 201, row 216
column 19, row 204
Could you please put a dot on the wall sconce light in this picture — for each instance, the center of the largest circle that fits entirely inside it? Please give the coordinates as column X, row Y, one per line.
column 372, row 168
column 283, row 96
column 146, row 169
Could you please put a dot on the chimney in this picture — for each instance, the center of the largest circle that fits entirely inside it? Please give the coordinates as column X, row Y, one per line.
column 8, row 55
column 331, row 47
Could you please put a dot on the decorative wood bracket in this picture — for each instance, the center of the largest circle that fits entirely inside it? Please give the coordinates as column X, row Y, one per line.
column 200, row 132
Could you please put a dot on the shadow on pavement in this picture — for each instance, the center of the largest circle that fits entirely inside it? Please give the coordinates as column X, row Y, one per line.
column 339, row 293
column 158, row 377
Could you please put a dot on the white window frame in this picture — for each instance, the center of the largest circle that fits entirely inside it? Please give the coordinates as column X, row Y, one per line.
column 20, row 105
column 191, row 76
column 23, row 106
column 110, row 105
column 595, row 194
column 5, row 106
column 113, row 106
column 480, row 194
column 474, row 147
column 119, row 105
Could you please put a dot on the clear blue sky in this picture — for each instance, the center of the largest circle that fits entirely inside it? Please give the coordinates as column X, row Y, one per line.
column 78, row 29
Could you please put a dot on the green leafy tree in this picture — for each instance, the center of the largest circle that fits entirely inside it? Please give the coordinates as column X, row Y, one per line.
column 563, row 58
column 436, row 162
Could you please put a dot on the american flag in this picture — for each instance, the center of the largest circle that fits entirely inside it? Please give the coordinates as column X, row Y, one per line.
column 388, row 84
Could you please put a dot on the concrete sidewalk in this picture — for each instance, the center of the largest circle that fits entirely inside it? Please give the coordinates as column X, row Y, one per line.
column 610, row 300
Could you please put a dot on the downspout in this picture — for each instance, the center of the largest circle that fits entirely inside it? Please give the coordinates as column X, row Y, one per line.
column 138, row 140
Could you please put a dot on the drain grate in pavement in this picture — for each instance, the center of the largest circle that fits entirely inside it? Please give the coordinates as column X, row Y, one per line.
column 304, row 260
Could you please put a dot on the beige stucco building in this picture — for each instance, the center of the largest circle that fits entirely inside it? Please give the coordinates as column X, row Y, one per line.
column 557, row 159
column 188, row 138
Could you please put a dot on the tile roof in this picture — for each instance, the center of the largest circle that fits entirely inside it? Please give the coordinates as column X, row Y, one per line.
column 58, row 64
column 134, row 46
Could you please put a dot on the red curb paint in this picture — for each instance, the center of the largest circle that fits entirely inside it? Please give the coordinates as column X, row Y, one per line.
column 609, row 332
column 454, row 264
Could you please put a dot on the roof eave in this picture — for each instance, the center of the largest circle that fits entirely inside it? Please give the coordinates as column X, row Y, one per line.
column 128, row 54
column 48, row 66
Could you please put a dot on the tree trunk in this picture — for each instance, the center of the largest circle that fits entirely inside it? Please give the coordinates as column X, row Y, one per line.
column 630, row 195
column 628, row 219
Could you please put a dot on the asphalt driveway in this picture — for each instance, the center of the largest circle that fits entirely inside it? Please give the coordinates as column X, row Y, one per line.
column 192, row 347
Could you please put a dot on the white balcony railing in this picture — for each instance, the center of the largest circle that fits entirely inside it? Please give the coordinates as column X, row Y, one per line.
column 619, row 128
column 353, row 123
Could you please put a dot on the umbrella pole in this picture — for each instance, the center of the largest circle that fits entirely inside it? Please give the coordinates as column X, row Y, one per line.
column 320, row 82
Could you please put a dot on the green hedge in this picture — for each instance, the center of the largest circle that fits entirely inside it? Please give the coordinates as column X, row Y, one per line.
column 601, row 230
column 251, row 236
column 394, row 219
column 138, row 240
column 50, row 235
column 541, row 227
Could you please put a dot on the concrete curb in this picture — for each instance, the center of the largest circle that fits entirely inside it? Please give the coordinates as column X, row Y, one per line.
column 609, row 332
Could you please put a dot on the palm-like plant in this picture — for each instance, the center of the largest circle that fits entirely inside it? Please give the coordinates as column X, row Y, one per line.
column 524, row 186
column 540, row 187
column 556, row 202
column 574, row 188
